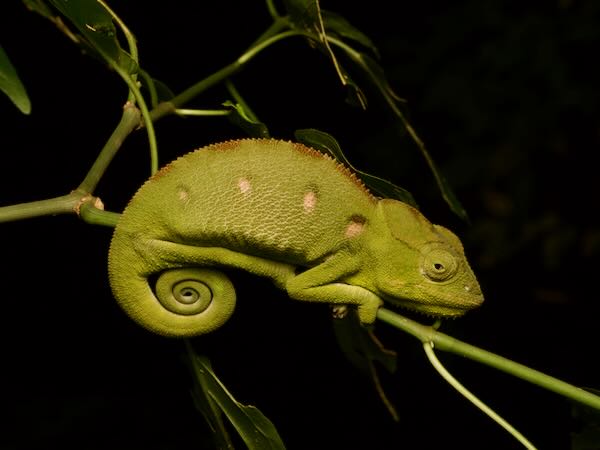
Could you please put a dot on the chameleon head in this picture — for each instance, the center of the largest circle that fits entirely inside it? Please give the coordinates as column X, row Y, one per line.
column 424, row 268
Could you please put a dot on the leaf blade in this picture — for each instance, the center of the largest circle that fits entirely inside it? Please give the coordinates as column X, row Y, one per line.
column 326, row 143
column 96, row 25
column 11, row 84
column 254, row 428
column 245, row 120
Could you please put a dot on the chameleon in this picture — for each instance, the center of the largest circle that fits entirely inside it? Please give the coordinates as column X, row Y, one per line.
column 284, row 211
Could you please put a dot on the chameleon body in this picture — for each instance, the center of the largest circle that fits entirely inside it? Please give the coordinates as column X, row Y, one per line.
column 287, row 212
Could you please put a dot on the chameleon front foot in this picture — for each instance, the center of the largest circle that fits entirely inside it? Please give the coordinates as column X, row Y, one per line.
column 367, row 310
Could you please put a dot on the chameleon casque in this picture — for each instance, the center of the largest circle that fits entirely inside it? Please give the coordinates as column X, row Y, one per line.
column 287, row 212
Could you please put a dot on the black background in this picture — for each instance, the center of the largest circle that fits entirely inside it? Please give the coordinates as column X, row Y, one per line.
column 506, row 97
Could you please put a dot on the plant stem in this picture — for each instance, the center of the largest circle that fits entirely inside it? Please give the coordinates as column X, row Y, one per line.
column 202, row 112
column 131, row 43
column 95, row 216
column 130, row 120
column 64, row 204
column 449, row 344
column 169, row 107
column 240, row 100
column 450, row 379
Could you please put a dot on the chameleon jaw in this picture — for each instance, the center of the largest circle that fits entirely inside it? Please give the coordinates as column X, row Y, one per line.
column 433, row 309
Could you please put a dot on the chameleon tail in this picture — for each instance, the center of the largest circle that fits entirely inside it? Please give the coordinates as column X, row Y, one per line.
column 174, row 302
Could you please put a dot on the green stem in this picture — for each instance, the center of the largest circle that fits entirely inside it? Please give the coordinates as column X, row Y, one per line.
column 95, row 216
column 449, row 344
column 240, row 100
column 202, row 112
column 133, row 52
column 260, row 46
column 171, row 106
column 279, row 24
column 450, row 379
column 130, row 120
column 64, row 204
column 135, row 90
column 272, row 10
column 165, row 108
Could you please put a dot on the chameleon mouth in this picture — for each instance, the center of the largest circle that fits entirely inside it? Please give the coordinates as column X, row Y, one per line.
column 437, row 307
column 432, row 310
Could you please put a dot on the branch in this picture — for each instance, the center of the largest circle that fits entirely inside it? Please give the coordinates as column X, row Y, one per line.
column 447, row 343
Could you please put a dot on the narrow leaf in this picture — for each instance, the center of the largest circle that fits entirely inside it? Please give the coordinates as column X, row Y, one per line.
column 586, row 436
column 11, row 85
column 372, row 69
column 360, row 345
column 363, row 349
column 254, row 428
column 40, row 7
column 157, row 90
column 306, row 16
column 326, row 143
column 337, row 24
column 211, row 413
column 95, row 24
column 240, row 117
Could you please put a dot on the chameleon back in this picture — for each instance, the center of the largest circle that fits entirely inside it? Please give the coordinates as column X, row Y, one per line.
column 265, row 197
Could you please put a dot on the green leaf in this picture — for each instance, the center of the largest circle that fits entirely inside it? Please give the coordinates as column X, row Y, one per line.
column 157, row 90
column 40, row 7
column 326, row 143
column 257, row 432
column 306, row 16
column 373, row 70
column 360, row 345
column 587, row 434
column 363, row 349
column 96, row 26
column 341, row 27
column 246, row 120
column 11, row 85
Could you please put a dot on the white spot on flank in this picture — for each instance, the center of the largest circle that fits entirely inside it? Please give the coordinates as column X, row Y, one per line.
column 183, row 194
column 244, row 186
column 354, row 229
column 309, row 202
column 467, row 288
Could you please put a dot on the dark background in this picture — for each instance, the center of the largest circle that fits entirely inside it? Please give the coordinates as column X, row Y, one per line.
column 506, row 97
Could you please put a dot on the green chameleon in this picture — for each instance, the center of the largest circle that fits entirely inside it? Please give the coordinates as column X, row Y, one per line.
column 287, row 212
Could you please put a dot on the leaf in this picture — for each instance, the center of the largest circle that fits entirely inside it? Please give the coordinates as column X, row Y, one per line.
column 96, row 26
column 157, row 90
column 360, row 346
column 373, row 70
column 362, row 349
column 40, row 7
column 587, row 434
column 326, row 143
column 240, row 117
column 306, row 16
column 376, row 73
column 340, row 26
column 11, row 85
column 254, row 428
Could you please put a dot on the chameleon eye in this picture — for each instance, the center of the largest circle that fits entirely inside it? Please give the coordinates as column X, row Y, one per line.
column 438, row 264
